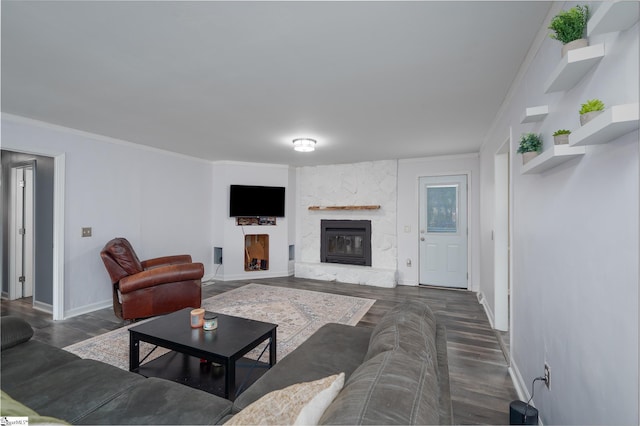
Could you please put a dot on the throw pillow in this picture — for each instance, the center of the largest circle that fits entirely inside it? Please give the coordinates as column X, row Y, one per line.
column 299, row 404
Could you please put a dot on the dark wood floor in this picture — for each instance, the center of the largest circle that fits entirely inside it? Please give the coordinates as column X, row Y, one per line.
column 481, row 388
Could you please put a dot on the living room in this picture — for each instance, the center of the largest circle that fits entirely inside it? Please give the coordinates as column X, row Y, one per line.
column 574, row 239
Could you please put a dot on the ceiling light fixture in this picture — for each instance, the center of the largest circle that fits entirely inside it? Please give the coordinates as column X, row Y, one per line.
column 304, row 144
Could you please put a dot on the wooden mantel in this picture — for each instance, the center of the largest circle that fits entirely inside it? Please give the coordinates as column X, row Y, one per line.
column 344, row 207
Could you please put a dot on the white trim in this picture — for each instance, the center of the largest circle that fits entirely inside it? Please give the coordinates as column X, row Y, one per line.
column 440, row 158
column 250, row 164
column 411, row 283
column 58, row 236
column 253, row 274
column 487, row 309
column 94, row 136
column 86, row 309
column 44, row 307
column 518, row 383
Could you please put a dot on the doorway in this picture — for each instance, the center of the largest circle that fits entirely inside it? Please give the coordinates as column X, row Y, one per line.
column 443, row 231
column 21, row 231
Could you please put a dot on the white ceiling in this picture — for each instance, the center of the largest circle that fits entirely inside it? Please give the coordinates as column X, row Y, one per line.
column 239, row 80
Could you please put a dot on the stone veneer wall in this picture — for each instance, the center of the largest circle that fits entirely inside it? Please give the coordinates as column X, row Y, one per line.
column 369, row 183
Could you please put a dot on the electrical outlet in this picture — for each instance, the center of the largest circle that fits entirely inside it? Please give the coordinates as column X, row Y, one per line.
column 409, row 263
column 547, row 374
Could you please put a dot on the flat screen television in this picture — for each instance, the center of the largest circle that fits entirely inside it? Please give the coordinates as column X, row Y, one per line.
column 245, row 200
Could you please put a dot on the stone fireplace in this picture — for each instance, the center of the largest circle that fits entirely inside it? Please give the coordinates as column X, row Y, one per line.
column 345, row 241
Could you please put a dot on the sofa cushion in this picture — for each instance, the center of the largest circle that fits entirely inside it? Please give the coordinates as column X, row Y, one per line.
column 24, row 362
column 390, row 388
column 9, row 407
column 14, row 331
column 299, row 404
column 409, row 326
column 157, row 401
column 333, row 349
column 74, row 389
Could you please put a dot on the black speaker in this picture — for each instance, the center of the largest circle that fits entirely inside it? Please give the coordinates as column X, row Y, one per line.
column 522, row 414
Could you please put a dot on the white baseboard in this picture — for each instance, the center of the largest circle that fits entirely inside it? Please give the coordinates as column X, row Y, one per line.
column 87, row 309
column 254, row 274
column 487, row 309
column 44, row 307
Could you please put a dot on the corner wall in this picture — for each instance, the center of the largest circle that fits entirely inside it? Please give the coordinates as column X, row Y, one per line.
column 575, row 245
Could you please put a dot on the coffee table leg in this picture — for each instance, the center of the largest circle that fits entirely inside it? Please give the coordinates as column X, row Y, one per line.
column 230, row 379
column 272, row 349
column 134, row 352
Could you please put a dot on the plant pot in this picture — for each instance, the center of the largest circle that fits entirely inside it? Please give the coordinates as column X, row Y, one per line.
column 561, row 139
column 528, row 156
column 575, row 44
column 585, row 118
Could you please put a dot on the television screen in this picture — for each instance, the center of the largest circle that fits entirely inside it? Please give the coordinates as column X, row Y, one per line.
column 247, row 200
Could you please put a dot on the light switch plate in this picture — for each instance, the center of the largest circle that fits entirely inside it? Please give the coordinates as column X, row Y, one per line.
column 86, row 232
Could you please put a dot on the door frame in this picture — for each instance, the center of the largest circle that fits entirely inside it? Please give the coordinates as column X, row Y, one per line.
column 502, row 258
column 468, row 174
column 58, row 222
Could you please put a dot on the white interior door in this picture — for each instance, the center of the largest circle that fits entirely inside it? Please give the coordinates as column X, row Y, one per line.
column 21, row 270
column 443, row 231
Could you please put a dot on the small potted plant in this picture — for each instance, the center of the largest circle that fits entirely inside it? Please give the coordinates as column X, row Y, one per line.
column 590, row 109
column 530, row 146
column 569, row 28
column 561, row 137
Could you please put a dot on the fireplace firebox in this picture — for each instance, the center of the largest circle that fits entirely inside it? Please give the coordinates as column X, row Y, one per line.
column 345, row 241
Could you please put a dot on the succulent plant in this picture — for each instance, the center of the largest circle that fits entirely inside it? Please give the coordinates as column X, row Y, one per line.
column 562, row 132
column 591, row 105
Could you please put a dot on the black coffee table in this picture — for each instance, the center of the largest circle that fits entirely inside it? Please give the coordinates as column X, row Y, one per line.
column 226, row 345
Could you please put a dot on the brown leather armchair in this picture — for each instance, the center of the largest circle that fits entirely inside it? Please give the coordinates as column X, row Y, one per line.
column 151, row 287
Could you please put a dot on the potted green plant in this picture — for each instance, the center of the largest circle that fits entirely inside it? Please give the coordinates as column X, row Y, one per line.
column 569, row 27
column 590, row 109
column 530, row 146
column 561, row 136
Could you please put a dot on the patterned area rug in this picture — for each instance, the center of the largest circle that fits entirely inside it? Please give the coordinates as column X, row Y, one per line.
column 298, row 313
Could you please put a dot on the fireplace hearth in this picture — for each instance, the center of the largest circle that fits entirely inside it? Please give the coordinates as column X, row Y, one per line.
column 345, row 241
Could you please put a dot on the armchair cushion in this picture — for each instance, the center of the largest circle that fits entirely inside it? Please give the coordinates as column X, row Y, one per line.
column 161, row 275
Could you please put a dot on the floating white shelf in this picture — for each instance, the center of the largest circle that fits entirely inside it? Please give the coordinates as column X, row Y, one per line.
column 552, row 157
column 533, row 114
column 613, row 16
column 573, row 66
column 611, row 124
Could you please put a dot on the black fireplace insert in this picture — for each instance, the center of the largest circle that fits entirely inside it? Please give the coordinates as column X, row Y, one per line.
column 345, row 241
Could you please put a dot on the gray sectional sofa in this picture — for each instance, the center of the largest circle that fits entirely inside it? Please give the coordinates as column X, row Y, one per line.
column 396, row 373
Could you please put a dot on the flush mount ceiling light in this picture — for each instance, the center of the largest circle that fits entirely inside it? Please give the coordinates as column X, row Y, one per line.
column 304, row 144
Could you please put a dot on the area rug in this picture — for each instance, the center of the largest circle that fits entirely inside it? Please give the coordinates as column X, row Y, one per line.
column 298, row 313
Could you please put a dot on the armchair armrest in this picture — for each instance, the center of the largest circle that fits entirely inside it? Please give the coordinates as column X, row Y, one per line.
column 165, row 260
column 14, row 331
column 162, row 275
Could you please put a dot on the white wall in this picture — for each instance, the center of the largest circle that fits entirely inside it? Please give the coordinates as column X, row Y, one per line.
column 409, row 171
column 575, row 245
column 158, row 200
column 230, row 237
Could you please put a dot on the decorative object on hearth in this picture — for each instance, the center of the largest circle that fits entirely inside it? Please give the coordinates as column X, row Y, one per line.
column 590, row 109
column 561, row 137
column 530, row 146
column 569, row 27
column 304, row 144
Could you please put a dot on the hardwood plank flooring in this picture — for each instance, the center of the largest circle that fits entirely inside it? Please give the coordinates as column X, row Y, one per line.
column 481, row 388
